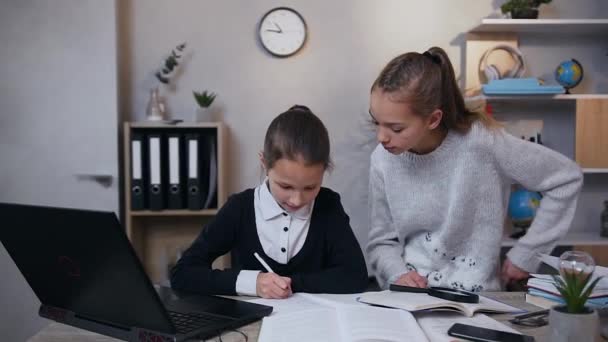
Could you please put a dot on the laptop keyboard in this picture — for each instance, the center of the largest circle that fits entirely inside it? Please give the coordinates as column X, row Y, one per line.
column 185, row 323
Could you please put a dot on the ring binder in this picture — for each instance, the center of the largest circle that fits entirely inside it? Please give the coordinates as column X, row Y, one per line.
column 195, row 198
column 155, row 189
column 137, row 181
column 176, row 174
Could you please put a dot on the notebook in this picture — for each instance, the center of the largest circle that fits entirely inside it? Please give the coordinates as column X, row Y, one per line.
column 421, row 301
column 85, row 273
column 308, row 317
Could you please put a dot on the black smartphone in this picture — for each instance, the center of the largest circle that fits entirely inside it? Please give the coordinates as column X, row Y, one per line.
column 473, row 333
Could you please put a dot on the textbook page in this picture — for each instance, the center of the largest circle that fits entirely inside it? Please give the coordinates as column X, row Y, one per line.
column 307, row 325
column 422, row 301
column 344, row 323
column 368, row 323
column 331, row 299
column 295, row 303
column 436, row 326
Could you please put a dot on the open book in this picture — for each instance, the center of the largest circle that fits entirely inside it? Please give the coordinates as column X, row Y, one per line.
column 306, row 317
column 422, row 301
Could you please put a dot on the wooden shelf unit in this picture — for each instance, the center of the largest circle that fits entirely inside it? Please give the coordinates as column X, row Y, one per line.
column 591, row 131
column 159, row 236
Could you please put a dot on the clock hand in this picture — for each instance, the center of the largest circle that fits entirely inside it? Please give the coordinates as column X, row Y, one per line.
column 278, row 27
column 276, row 31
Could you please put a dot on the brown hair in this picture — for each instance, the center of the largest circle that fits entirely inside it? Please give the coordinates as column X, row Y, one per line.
column 297, row 133
column 426, row 81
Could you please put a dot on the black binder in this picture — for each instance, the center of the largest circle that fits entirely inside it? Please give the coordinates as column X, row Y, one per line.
column 156, row 172
column 209, row 177
column 193, row 148
column 138, row 193
column 176, row 174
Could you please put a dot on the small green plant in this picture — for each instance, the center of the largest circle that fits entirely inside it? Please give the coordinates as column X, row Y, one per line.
column 514, row 6
column 204, row 98
column 575, row 287
column 169, row 65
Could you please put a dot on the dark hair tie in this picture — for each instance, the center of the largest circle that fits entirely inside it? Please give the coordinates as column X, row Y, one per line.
column 435, row 59
column 300, row 108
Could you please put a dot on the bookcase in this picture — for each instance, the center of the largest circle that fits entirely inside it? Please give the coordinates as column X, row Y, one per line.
column 591, row 109
column 586, row 126
column 159, row 236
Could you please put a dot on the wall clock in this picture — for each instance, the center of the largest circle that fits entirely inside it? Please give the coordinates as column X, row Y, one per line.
column 282, row 31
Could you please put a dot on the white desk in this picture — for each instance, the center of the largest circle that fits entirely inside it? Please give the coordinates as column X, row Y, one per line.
column 56, row 332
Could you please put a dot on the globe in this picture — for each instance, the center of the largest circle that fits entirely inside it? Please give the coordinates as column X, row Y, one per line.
column 522, row 207
column 569, row 74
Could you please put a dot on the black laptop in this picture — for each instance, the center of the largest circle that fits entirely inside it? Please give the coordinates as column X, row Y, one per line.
column 85, row 273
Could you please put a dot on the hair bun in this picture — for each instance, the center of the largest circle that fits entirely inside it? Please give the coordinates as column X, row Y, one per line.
column 300, row 108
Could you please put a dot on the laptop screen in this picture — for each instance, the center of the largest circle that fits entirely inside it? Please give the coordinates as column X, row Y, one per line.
column 82, row 261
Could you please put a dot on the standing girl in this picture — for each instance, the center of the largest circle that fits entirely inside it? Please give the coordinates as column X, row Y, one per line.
column 440, row 181
column 299, row 228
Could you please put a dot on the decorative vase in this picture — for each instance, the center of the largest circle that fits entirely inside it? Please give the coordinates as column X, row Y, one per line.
column 565, row 326
column 202, row 114
column 155, row 110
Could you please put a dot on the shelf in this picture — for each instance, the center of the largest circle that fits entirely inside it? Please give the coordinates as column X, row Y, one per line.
column 159, row 236
column 571, row 239
column 206, row 212
column 594, row 170
column 152, row 124
column 550, row 26
column 539, row 97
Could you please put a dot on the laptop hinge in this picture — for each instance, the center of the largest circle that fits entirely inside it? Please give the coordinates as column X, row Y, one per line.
column 133, row 334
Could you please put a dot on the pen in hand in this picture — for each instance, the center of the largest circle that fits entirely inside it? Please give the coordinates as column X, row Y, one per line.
column 266, row 267
column 277, row 279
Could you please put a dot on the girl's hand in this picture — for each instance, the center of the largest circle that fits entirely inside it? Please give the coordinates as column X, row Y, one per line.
column 411, row 278
column 273, row 286
column 511, row 273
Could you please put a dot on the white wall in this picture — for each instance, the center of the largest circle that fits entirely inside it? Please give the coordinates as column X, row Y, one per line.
column 349, row 42
column 58, row 123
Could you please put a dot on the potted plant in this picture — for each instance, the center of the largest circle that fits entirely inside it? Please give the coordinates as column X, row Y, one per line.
column 574, row 321
column 156, row 108
column 523, row 9
column 204, row 99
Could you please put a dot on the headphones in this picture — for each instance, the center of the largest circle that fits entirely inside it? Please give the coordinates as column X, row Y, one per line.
column 491, row 72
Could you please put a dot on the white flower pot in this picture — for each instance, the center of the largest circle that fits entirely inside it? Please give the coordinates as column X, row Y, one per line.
column 202, row 114
column 564, row 326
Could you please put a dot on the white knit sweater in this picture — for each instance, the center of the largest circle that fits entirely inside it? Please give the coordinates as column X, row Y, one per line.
column 443, row 213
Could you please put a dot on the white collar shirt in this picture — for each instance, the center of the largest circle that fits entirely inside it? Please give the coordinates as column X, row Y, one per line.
column 282, row 234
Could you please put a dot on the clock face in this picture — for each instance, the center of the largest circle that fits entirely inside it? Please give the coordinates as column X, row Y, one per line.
column 282, row 31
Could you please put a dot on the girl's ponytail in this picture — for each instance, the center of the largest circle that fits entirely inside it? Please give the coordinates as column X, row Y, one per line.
column 427, row 82
column 455, row 113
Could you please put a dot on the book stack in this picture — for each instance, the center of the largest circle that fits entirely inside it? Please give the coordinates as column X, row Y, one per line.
column 543, row 293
